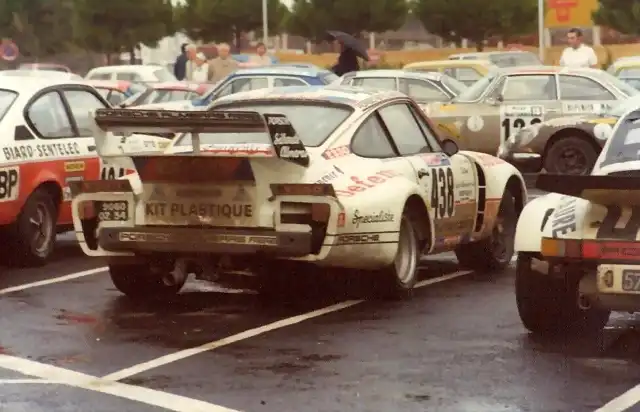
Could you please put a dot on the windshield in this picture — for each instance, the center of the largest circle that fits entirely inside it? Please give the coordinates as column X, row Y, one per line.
column 6, row 100
column 457, row 87
column 325, row 120
column 514, row 59
column 164, row 75
column 473, row 93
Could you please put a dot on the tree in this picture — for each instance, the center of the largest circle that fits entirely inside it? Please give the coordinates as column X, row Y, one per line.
column 311, row 18
column 228, row 20
column 116, row 26
column 476, row 20
column 39, row 27
column 620, row 15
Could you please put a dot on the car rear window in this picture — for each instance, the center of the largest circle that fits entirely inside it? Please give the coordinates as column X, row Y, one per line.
column 312, row 134
column 164, row 75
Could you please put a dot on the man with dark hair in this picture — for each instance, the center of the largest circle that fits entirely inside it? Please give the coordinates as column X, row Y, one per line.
column 578, row 54
column 180, row 67
column 261, row 58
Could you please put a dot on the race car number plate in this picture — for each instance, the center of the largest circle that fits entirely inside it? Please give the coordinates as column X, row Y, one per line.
column 631, row 280
column 112, row 211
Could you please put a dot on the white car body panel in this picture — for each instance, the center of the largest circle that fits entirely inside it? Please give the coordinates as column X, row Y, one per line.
column 370, row 194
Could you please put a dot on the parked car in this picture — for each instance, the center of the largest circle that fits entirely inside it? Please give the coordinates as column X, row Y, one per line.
column 168, row 92
column 291, row 181
column 45, row 66
column 627, row 69
column 422, row 87
column 578, row 248
column 47, row 142
column 45, row 74
column 490, row 111
column 510, row 58
column 117, row 91
column 465, row 71
column 139, row 73
column 252, row 79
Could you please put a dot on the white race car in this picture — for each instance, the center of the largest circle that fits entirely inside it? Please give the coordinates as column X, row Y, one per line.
column 578, row 248
column 318, row 176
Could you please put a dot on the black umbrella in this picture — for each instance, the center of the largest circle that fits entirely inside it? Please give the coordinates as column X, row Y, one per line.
column 349, row 42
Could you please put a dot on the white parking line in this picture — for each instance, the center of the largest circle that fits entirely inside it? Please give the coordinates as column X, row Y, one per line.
column 183, row 354
column 622, row 402
column 74, row 379
column 26, row 381
column 51, row 281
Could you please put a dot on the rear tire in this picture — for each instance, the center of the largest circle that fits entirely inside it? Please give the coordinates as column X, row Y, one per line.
column 548, row 305
column 493, row 253
column 398, row 279
column 140, row 281
column 32, row 236
column 570, row 156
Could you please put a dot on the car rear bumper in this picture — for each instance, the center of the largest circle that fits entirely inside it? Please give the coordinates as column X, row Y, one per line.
column 201, row 240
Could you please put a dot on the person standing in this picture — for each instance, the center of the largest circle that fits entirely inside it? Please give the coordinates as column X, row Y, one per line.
column 180, row 66
column 223, row 65
column 578, row 54
column 261, row 58
column 347, row 60
column 191, row 51
column 200, row 72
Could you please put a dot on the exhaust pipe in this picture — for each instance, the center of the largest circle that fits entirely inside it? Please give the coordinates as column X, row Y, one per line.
column 178, row 275
column 584, row 302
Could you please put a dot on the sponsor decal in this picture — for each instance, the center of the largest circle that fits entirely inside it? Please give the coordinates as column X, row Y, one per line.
column 342, row 219
column 201, row 210
column 26, row 152
column 240, row 150
column 302, row 189
column 357, row 239
column 285, row 140
column 435, row 159
column 564, row 219
column 364, row 184
column 71, row 167
column 336, row 152
column 380, row 217
column 227, row 239
column 333, row 174
column 9, row 184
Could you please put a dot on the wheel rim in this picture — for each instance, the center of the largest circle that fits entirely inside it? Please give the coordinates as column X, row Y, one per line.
column 572, row 161
column 42, row 228
column 502, row 238
column 406, row 259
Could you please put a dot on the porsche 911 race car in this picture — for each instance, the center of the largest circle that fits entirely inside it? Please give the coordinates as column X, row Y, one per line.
column 333, row 177
column 578, row 248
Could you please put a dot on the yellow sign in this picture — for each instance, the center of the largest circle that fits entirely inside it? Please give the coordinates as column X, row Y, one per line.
column 569, row 13
column 71, row 167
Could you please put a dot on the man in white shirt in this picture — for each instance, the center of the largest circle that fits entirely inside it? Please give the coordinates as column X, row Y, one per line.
column 261, row 58
column 578, row 54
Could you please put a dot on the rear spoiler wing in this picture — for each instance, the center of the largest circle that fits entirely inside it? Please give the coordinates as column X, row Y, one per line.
column 602, row 190
column 285, row 143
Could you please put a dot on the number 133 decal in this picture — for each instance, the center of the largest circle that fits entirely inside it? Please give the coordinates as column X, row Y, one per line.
column 442, row 198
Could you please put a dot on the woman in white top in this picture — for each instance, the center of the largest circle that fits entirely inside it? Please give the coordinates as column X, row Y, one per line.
column 201, row 70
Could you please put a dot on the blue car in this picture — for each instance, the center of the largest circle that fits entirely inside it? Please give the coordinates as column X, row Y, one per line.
column 244, row 58
column 267, row 77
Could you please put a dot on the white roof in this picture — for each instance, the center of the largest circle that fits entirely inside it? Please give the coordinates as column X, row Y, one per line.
column 126, row 68
column 34, row 84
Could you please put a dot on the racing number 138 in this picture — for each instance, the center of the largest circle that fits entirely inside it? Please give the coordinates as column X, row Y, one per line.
column 442, row 199
column 511, row 124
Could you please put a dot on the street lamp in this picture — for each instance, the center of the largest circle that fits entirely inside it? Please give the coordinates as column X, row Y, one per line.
column 265, row 24
column 540, row 30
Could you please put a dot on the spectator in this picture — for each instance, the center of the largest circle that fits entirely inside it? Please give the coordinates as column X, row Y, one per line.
column 223, row 65
column 261, row 58
column 180, row 67
column 578, row 54
column 200, row 72
column 347, row 61
column 191, row 51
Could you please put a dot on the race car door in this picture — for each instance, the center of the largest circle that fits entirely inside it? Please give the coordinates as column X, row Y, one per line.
column 448, row 182
column 582, row 95
column 527, row 99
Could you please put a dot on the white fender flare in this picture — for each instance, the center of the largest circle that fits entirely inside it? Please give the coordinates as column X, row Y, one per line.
column 529, row 228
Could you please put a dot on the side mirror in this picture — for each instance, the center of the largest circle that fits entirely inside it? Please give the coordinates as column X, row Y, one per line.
column 449, row 147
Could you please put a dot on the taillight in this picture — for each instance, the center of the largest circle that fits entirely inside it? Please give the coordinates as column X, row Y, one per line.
column 590, row 249
column 569, row 248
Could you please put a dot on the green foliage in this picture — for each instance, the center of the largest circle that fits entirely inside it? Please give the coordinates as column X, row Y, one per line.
column 476, row 20
column 115, row 26
column 39, row 27
column 222, row 20
column 311, row 18
column 620, row 15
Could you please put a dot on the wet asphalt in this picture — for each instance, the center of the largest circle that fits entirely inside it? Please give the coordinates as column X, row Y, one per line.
column 457, row 346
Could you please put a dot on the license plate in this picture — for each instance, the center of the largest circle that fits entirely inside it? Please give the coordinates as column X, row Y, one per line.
column 112, row 211
column 631, row 280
